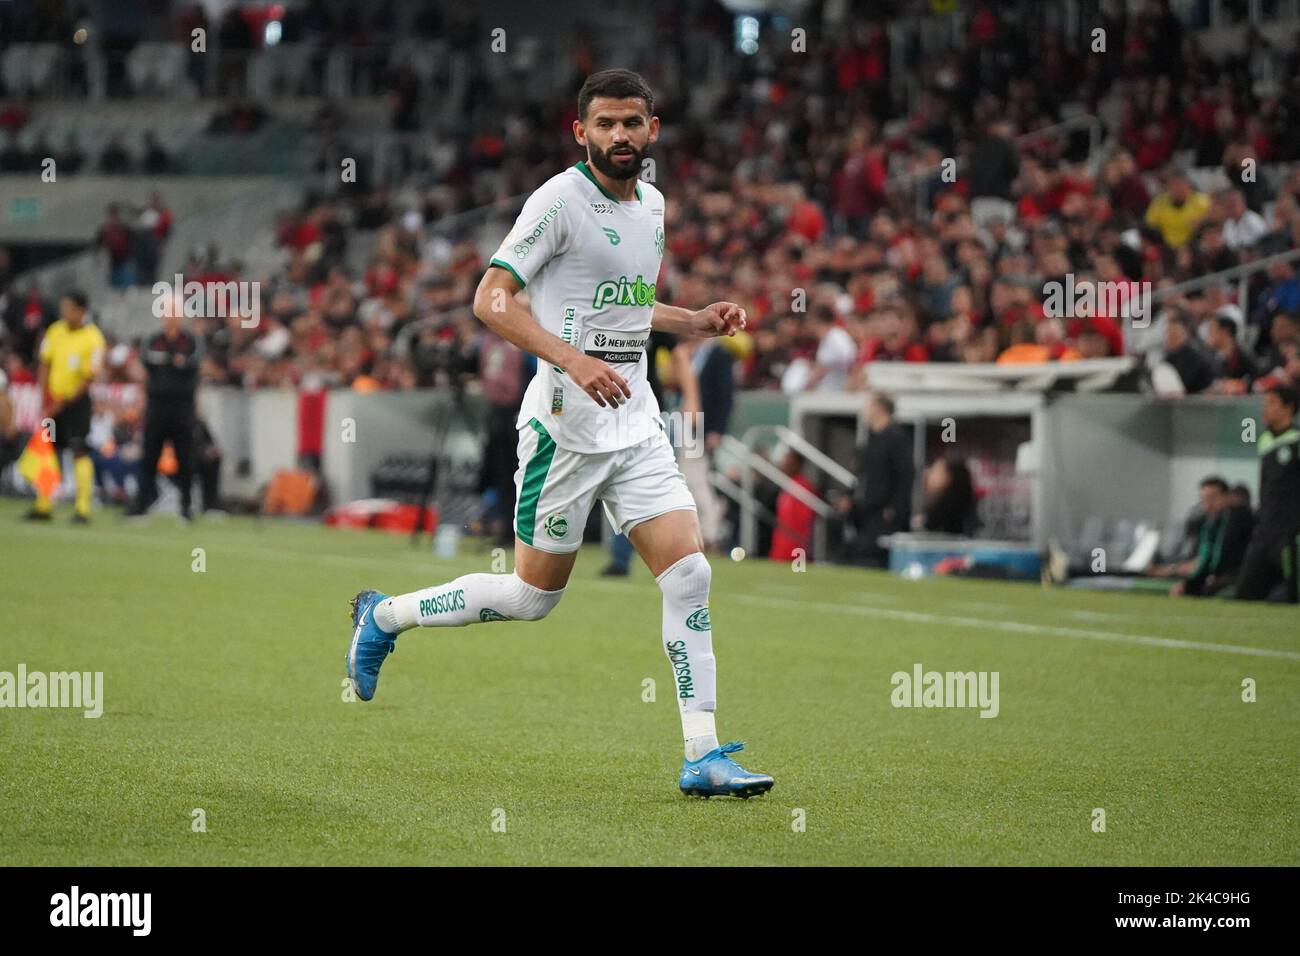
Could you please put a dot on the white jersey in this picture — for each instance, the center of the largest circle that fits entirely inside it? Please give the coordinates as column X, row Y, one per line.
column 590, row 263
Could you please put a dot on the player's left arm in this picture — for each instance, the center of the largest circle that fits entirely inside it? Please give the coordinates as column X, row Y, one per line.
column 720, row 318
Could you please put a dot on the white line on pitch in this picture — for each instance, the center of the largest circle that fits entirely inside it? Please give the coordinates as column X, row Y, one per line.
column 921, row 617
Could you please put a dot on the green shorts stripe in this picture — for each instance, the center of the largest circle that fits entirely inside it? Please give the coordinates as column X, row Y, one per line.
column 534, row 477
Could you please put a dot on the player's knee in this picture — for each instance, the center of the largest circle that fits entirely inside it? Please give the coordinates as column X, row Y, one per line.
column 533, row 604
column 690, row 577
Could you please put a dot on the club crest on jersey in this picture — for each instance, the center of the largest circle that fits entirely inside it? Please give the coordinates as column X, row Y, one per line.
column 557, row 526
column 624, row 291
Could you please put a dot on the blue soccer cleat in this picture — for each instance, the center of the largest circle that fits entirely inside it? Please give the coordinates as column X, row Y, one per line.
column 370, row 645
column 717, row 775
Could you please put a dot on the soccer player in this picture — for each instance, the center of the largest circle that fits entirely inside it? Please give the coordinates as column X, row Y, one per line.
column 588, row 246
column 1271, row 557
column 71, row 355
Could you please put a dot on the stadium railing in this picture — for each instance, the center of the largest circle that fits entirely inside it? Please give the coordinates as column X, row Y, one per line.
column 1236, row 273
column 752, row 464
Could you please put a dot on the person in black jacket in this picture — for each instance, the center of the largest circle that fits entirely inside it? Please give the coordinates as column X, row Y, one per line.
column 949, row 498
column 1189, row 360
column 713, row 367
column 171, row 361
column 882, row 499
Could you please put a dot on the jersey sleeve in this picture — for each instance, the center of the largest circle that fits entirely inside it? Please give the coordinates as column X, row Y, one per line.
column 541, row 233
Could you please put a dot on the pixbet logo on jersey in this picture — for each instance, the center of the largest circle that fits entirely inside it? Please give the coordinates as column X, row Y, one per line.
column 624, row 291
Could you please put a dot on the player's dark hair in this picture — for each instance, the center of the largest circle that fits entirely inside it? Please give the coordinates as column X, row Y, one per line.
column 1215, row 481
column 1228, row 325
column 1242, row 490
column 615, row 84
column 1287, row 395
column 884, row 401
column 77, row 297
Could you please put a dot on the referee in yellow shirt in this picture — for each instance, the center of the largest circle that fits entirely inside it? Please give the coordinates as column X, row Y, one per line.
column 71, row 355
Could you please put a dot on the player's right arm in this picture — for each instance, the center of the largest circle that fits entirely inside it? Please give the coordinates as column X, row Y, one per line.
column 496, row 306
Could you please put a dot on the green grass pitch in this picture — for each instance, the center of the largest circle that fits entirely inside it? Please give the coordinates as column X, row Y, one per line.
column 223, row 693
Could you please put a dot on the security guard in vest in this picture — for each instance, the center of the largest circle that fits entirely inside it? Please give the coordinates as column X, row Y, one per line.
column 70, row 356
column 1271, row 557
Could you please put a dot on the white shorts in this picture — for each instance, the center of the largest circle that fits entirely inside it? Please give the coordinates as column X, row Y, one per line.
column 555, row 488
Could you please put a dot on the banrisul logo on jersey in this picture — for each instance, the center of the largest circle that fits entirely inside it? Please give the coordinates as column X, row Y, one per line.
column 524, row 244
column 624, row 291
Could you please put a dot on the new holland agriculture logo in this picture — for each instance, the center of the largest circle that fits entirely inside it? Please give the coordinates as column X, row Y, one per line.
column 611, row 345
column 624, row 291
column 557, row 526
column 524, row 244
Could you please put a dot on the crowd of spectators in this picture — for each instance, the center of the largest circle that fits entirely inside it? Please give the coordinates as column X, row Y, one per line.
column 796, row 196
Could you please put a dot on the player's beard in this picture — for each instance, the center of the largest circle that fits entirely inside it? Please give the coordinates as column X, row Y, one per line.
column 617, row 169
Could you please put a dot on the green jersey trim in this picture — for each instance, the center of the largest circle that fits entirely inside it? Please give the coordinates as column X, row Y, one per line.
column 511, row 269
column 1268, row 441
column 582, row 168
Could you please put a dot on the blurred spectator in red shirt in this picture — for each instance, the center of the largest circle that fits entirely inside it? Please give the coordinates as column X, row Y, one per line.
column 794, row 519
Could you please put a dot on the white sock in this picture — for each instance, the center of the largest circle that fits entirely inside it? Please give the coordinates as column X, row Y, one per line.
column 467, row 600
column 688, row 642
column 700, row 733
